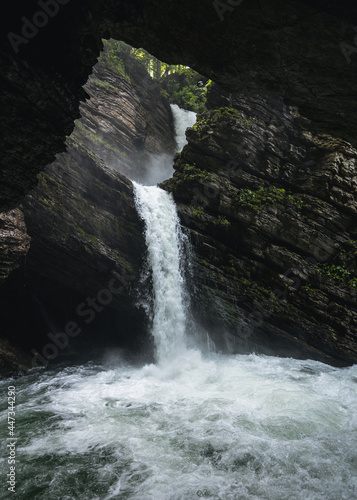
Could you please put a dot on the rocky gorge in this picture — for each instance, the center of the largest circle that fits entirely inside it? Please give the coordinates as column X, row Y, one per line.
column 267, row 199
column 85, row 231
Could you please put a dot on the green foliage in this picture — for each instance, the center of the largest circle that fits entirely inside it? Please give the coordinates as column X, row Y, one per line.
column 265, row 195
column 192, row 173
column 338, row 273
column 226, row 112
column 349, row 246
column 97, row 139
column 113, row 56
column 223, row 221
column 202, row 126
column 186, row 88
column 179, row 84
column 106, row 85
column 308, row 288
column 197, row 211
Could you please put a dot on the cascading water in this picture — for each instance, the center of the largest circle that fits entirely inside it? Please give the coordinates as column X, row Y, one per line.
column 241, row 427
column 183, row 119
column 164, row 243
column 163, row 239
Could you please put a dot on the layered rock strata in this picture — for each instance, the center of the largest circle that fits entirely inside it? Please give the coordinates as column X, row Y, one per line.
column 270, row 207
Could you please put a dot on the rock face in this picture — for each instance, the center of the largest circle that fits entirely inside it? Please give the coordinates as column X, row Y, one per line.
column 270, row 206
column 87, row 244
column 14, row 242
column 302, row 50
column 126, row 122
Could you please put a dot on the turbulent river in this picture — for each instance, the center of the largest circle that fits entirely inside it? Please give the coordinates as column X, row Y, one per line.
column 220, row 427
column 192, row 425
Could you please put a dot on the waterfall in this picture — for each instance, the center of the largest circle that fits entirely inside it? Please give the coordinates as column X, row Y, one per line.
column 164, row 241
column 164, row 244
column 182, row 120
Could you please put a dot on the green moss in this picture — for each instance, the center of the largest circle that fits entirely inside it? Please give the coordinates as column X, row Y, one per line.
column 42, row 182
column 106, row 85
column 265, row 195
column 197, row 211
column 96, row 139
column 232, row 271
column 85, row 235
column 48, row 203
column 339, row 273
column 192, row 173
column 202, row 126
column 112, row 57
column 223, row 221
column 308, row 288
column 261, row 294
column 226, row 112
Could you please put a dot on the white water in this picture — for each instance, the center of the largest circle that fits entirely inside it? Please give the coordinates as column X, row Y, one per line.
column 160, row 166
column 182, row 120
column 163, row 239
column 229, row 428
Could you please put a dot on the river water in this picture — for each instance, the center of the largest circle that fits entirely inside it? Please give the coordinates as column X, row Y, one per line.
column 218, row 427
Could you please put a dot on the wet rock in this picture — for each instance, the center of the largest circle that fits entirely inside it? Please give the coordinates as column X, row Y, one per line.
column 270, row 208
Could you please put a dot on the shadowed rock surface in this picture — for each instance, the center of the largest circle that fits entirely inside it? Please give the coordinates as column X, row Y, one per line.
column 14, row 242
column 287, row 48
column 270, row 208
column 86, row 236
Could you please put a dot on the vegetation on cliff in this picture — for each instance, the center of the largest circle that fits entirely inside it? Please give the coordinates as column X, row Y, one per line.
column 180, row 84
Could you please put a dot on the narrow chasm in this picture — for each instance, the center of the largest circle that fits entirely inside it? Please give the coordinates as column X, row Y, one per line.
column 179, row 297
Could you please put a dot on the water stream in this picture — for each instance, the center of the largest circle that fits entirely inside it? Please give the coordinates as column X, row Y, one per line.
column 224, row 427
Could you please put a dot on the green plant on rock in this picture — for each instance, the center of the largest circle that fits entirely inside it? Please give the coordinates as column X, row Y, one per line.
column 338, row 273
column 105, row 85
column 113, row 56
column 192, row 173
column 353, row 283
column 265, row 195
column 202, row 126
column 227, row 112
column 351, row 245
column 262, row 196
column 223, row 221
column 308, row 288
column 197, row 211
